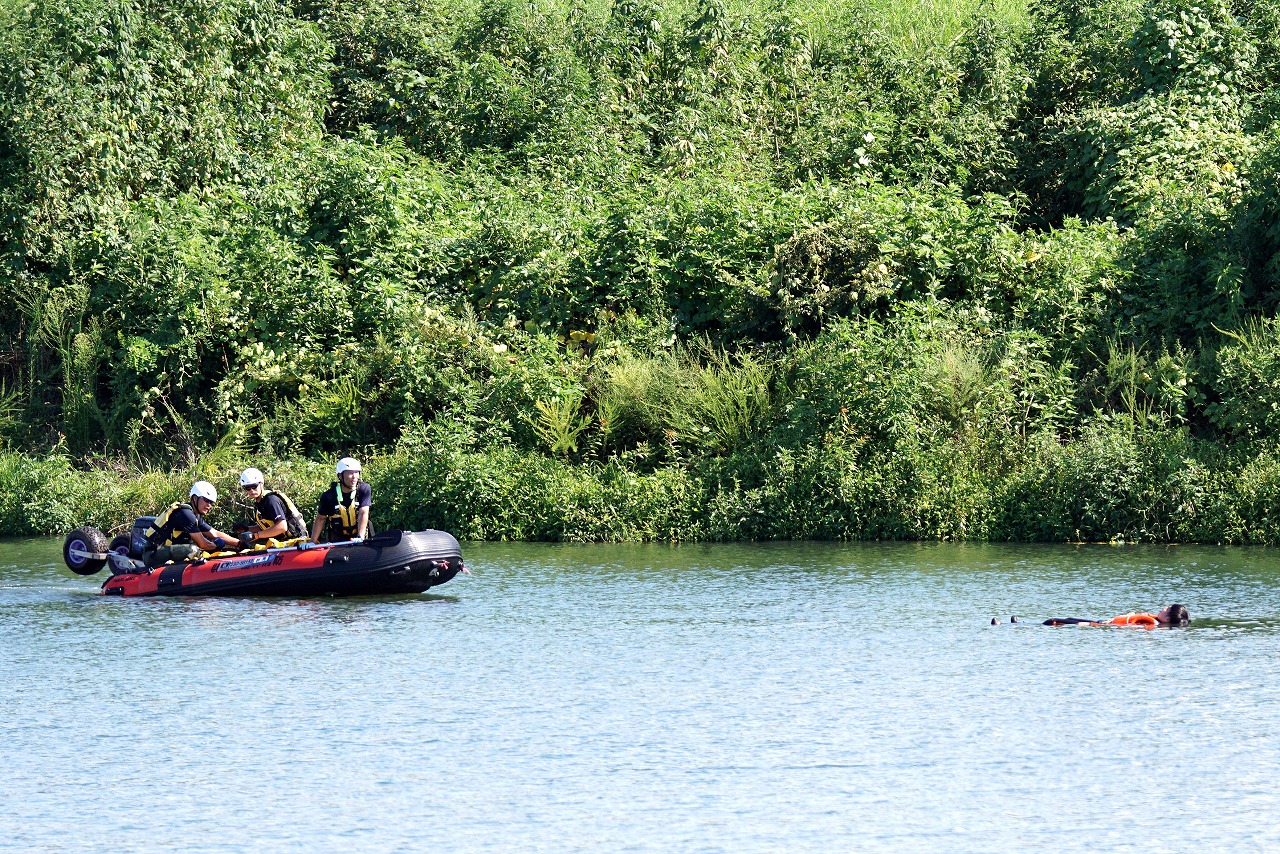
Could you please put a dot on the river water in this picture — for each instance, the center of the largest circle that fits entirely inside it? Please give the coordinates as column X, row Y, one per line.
column 799, row 697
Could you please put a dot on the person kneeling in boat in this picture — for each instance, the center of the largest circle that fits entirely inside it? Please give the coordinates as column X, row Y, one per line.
column 181, row 533
column 1172, row 615
column 344, row 506
column 276, row 515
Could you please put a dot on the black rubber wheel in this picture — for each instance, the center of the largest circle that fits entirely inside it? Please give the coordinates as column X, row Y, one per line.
column 84, row 540
column 121, row 544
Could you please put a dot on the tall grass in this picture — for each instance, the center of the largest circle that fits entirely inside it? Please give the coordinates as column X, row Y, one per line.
column 921, row 26
column 714, row 400
column 698, row 397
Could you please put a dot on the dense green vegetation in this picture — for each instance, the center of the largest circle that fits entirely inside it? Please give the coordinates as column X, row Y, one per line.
column 649, row 270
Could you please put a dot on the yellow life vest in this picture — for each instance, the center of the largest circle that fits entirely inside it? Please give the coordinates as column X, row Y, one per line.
column 295, row 525
column 161, row 524
column 344, row 516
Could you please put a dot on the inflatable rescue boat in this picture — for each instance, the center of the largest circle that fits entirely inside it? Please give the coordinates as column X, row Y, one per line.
column 389, row 562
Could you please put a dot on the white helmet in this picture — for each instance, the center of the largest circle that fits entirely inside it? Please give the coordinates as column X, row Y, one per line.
column 204, row 489
column 251, row 477
column 348, row 464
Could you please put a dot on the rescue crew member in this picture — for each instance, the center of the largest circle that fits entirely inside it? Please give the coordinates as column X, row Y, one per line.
column 276, row 515
column 1171, row 615
column 344, row 506
column 181, row 533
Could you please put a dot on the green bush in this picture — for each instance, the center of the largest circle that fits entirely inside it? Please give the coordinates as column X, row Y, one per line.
column 648, row 270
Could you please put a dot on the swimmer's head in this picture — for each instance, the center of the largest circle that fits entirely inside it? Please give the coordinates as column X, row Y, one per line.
column 1174, row 615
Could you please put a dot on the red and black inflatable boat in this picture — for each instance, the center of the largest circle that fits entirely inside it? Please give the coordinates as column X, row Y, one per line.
column 390, row 562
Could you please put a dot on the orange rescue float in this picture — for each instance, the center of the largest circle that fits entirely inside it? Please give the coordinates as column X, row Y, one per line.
column 1144, row 620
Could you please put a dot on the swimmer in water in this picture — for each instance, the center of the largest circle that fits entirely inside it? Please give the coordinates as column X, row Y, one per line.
column 1172, row 615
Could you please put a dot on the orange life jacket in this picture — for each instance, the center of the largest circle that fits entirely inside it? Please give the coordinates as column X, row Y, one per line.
column 1148, row 620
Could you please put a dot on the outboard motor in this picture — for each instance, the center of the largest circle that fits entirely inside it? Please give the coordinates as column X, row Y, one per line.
column 133, row 543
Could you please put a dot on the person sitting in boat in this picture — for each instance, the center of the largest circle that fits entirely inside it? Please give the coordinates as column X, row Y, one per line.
column 344, row 506
column 1172, row 615
column 276, row 515
column 181, row 533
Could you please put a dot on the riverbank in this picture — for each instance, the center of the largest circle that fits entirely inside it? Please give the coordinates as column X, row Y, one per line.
column 654, row 270
column 1110, row 483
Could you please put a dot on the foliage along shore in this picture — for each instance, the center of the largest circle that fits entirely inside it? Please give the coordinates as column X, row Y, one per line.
column 1105, row 486
column 643, row 270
